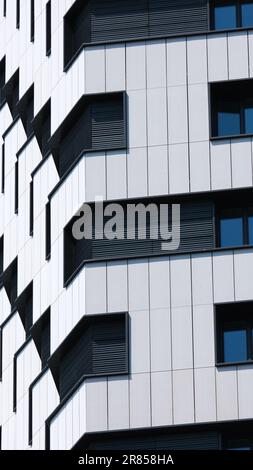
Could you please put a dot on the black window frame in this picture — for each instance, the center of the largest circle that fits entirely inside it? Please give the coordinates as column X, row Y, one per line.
column 229, row 89
column 4, row 8
column 233, row 212
column 231, row 317
column 48, row 28
column 221, row 3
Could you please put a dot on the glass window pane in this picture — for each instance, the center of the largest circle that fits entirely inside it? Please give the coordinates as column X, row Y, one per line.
column 225, row 17
column 249, row 120
column 247, row 15
column 235, row 346
column 231, row 232
column 250, row 221
column 228, row 123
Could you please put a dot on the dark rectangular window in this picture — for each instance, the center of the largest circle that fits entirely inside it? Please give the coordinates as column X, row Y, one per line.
column 4, row 7
column 232, row 14
column 2, row 81
column 32, row 29
column 31, row 209
column 3, row 168
column 234, row 330
column 25, row 308
column 10, row 280
column 17, row 14
column 48, row 230
column 11, row 91
column 93, row 21
column 232, row 108
column 42, row 128
column 97, row 346
column 48, row 28
column 240, row 442
column 16, row 188
column 235, row 227
column 97, row 122
column 26, row 110
column 197, row 233
column 41, row 336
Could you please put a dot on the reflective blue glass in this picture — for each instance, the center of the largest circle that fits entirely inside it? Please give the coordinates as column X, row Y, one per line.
column 225, row 17
column 228, row 123
column 231, row 232
column 248, row 120
column 247, row 15
column 235, row 346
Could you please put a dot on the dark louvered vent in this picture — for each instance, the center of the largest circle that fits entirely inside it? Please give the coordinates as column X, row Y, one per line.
column 97, row 122
column 113, row 20
column 197, row 233
column 177, row 17
column 108, row 126
column 108, row 347
column 97, row 346
column 191, row 441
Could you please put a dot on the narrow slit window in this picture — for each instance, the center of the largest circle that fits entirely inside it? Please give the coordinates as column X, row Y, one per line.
column 48, row 28
column 4, row 7
column 48, row 230
column 32, row 20
column 17, row 14
column 31, row 208
column 16, row 188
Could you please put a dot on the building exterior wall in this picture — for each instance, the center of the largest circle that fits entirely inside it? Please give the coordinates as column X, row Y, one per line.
column 173, row 376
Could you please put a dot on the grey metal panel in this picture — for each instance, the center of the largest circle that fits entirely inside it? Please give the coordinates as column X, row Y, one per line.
column 191, row 441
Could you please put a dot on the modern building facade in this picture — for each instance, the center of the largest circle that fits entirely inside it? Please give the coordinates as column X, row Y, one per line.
column 119, row 344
